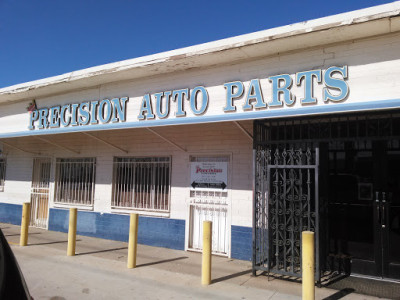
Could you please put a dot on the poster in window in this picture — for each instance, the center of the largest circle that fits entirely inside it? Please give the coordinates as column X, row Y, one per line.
column 209, row 175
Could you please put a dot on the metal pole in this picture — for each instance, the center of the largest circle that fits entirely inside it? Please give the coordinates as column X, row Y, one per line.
column 133, row 234
column 308, row 281
column 26, row 213
column 73, row 213
column 206, row 264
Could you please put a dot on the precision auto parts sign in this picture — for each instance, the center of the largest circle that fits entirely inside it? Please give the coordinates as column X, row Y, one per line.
column 162, row 105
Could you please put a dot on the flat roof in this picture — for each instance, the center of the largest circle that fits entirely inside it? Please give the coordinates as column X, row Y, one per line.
column 357, row 24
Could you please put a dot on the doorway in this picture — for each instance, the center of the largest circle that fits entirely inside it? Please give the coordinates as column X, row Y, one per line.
column 364, row 205
column 356, row 206
column 40, row 192
column 209, row 202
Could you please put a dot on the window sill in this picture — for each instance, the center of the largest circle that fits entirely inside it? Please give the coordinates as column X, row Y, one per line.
column 72, row 205
column 150, row 213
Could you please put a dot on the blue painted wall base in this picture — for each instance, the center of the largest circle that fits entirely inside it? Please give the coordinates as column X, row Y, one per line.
column 241, row 242
column 10, row 213
column 159, row 232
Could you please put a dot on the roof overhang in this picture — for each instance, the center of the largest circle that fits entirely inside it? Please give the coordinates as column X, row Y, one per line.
column 373, row 21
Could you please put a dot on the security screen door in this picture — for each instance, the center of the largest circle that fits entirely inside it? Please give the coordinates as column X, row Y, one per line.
column 40, row 192
column 209, row 202
column 286, row 203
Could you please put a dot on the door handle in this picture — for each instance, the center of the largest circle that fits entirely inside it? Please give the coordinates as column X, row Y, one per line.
column 383, row 210
column 378, row 211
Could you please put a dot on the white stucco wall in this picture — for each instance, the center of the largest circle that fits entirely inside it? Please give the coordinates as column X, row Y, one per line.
column 205, row 139
column 373, row 68
column 374, row 76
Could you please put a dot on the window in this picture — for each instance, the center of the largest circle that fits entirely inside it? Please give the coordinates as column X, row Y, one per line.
column 75, row 178
column 2, row 173
column 142, row 183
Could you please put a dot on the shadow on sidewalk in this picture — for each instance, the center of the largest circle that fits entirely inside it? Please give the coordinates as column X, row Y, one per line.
column 101, row 251
column 340, row 294
column 161, row 261
column 49, row 243
column 15, row 234
column 231, row 276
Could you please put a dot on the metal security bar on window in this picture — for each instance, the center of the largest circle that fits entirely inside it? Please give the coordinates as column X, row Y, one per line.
column 75, row 178
column 2, row 173
column 142, row 183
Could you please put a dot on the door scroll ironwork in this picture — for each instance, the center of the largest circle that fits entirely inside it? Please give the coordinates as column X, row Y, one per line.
column 285, row 204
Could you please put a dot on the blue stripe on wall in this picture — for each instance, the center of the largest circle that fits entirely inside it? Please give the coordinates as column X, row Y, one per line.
column 10, row 213
column 159, row 232
column 251, row 115
column 241, row 242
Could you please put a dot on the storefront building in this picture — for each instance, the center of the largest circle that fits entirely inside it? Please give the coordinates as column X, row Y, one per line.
column 267, row 134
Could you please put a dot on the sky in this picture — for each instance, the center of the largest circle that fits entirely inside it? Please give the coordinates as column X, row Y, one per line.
column 46, row 38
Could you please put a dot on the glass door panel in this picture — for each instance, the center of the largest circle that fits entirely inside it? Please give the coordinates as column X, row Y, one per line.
column 391, row 225
column 352, row 209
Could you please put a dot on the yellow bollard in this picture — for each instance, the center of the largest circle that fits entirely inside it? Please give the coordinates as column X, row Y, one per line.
column 132, row 246
column 73, row 214
column 307, row 265
column 207, row 243
column 26, row 214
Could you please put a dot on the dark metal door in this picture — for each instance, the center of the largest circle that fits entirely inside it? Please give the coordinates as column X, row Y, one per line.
column 366, row 211
column 286, row 203
column 389, row 205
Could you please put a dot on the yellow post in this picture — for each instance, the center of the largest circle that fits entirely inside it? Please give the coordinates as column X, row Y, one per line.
column 207, row 243
column 307, row 266
column 73, row 214
column 132, row 246
column 26, row 214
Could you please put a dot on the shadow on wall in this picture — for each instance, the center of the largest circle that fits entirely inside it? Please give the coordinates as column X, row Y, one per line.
column 220, row 138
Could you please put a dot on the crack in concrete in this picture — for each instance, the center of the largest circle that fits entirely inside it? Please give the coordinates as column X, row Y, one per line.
column 270, row 297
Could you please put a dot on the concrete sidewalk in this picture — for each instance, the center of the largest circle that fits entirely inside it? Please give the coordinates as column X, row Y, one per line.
column 98, row 271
